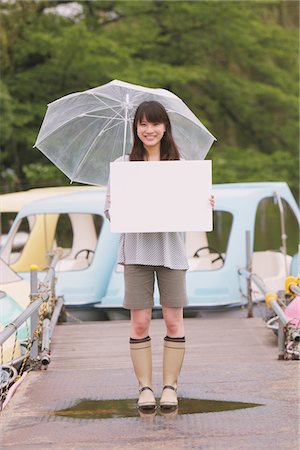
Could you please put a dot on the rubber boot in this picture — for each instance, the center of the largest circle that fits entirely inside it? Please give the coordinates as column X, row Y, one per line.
column 174, row 349
column 141, row 356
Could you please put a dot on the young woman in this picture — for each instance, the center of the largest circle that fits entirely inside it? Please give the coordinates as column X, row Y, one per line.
column 146, row 255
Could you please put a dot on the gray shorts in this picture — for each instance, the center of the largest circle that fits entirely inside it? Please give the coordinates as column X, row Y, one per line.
column 139, row 286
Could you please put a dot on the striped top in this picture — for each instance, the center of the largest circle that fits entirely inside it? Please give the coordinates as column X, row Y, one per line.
column 150, row 249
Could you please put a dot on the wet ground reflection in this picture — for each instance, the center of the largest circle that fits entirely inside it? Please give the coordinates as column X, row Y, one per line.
column 115, row 409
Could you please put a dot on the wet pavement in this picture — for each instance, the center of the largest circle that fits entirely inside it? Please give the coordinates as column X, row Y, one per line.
column 227, row 360
column 115, row 409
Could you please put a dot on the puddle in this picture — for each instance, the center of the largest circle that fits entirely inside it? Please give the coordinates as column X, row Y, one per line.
column 115, row 409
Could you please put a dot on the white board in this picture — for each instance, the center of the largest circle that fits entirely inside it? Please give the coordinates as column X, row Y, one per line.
column 156, row 196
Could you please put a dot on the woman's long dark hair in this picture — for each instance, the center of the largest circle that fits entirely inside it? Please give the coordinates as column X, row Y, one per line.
column 153, row 112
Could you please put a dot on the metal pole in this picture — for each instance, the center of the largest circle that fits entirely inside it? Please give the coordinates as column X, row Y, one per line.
column 1, row 229
column 281, row 339
column 11, row 328
column 259, row 283
column 35, row 314
column 279, row 312
column 271, row 300
column 51, row 271
column 249, row 268
column 46, row 335
column 39, row 294
column 295, row 289
column 56, row 313
column 125, row 129
column 45, row 359
column 283, row 233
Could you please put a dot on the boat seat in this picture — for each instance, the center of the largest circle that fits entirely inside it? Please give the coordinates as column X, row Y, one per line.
column 65, row 265
column 270, row 267
column 204, row 262
column 13, row 257
column 195, row 240
column 201, row 263
column 120, row 268
column 18, row 242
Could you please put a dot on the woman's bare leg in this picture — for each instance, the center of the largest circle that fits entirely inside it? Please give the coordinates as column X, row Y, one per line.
column 173, row 318
column 140, row 322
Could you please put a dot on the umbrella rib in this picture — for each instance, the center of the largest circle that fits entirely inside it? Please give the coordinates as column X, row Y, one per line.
column 105, row 128
column 61, row 126
column 102, row 101
column 200, row 124
column 115, row 139
column 104, row 117
column 186, row 137
column 82, row 131
column 138, row 94
column 77, row 117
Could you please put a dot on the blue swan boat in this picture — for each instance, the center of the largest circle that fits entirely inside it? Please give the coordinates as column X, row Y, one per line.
column 91, row 281
column 73, row 225
column 269, row 212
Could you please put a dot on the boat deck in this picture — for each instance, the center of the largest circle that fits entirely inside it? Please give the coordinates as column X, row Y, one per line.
column 233, row 359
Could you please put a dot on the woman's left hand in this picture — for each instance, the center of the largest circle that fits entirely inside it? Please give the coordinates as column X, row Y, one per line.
column 212, row 201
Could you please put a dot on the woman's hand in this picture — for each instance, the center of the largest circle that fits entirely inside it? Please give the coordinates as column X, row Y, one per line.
column 212, row 201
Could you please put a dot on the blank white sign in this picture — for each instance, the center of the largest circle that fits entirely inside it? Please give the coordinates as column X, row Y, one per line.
column 155, row 196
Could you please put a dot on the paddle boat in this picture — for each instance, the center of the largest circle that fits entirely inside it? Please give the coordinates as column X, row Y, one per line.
column 74, row 225
column 15, row 289
column 91, row 281
column 270, row 213
column 14, row 297
column 11, row 204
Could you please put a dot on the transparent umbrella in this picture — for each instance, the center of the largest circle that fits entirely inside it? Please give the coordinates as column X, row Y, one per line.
column 83, row 132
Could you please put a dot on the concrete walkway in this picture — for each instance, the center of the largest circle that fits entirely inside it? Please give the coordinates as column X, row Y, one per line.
column 232, row 359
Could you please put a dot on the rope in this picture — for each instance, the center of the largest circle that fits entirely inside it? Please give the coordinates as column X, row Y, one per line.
column 42, row 314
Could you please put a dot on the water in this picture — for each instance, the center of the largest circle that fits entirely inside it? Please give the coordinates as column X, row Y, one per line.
column 116, row 409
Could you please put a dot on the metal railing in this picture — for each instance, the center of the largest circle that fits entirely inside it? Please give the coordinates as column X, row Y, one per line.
column 287, row 332
column 43, row 311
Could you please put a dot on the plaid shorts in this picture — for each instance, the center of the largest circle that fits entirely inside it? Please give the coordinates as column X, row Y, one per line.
column 139, row 286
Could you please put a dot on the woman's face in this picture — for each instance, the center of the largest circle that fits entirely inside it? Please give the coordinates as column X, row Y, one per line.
column 150, row 133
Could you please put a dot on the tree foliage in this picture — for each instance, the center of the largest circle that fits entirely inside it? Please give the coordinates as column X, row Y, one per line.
column 234, row 63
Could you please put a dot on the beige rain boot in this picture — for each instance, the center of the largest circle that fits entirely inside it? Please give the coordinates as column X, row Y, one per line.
column 174, row 349
column 141, row 356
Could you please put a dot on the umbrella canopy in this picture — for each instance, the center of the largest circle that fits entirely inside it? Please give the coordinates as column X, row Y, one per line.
column 83, row 132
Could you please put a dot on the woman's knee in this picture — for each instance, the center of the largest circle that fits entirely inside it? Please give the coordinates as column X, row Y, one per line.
column 140, row 328
column 174, row 321
column 174, row 327
column 140, row 323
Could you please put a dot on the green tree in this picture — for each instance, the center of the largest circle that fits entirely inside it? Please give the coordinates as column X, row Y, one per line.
column 234, row 63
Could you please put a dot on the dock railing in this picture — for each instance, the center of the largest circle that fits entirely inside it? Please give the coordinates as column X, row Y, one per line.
column 288, row 333
column 43, row 311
